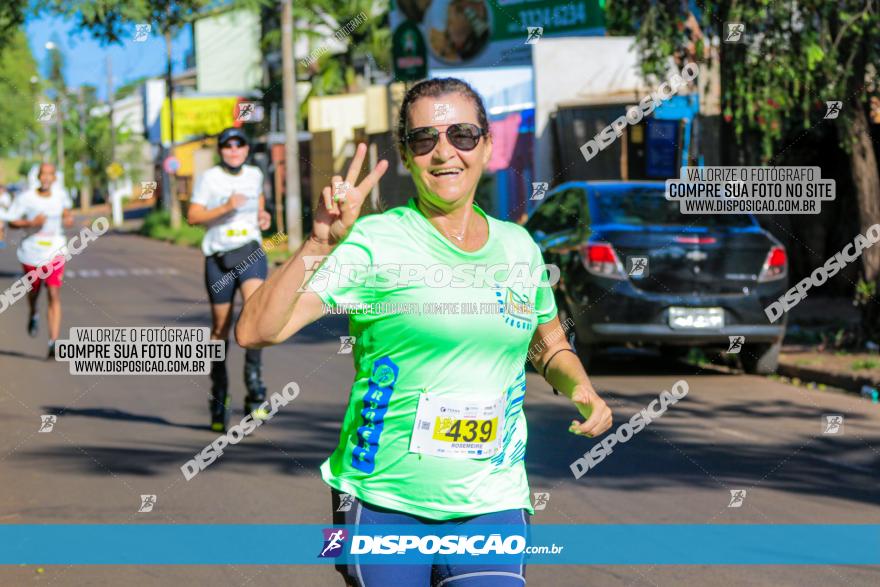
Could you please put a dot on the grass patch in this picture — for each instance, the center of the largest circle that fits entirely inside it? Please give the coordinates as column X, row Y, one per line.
column 278, row 255
column 157, row 225
column 276, row 249
column 804, row 362
column 697, row 357
column 864, row 364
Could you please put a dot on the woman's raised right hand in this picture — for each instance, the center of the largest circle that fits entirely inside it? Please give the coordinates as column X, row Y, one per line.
column 342, row 200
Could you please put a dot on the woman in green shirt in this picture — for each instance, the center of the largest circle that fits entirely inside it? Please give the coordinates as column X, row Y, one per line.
column 449, row 303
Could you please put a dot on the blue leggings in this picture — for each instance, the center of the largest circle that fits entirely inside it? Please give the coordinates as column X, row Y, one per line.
column 439, row 574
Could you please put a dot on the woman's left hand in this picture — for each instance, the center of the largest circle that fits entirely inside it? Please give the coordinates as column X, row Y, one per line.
column 593, row 408
column 264, row 219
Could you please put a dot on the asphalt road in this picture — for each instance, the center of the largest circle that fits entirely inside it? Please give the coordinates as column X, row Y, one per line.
column 117, row 437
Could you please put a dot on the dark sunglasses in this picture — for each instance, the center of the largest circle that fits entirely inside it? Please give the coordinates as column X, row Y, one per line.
column 463, row 136
column 233, row 143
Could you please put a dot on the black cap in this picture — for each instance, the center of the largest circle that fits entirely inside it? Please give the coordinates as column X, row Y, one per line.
column 232, row 133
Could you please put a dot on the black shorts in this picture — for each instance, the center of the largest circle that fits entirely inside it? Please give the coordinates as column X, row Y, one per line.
column 221, row 285
column 349, row 510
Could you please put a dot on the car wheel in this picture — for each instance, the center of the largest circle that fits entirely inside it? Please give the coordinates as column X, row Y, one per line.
column 585, row 352
column 760, row 359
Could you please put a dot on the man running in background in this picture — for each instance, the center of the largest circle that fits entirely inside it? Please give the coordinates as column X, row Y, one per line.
column 43, row 213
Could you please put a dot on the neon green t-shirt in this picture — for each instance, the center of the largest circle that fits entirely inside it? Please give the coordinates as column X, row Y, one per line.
column 460, row 339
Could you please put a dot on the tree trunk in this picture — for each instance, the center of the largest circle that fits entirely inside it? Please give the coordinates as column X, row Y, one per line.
column 866, row 178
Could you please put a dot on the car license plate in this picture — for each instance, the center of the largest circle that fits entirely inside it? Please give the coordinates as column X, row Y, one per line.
column 680, row 318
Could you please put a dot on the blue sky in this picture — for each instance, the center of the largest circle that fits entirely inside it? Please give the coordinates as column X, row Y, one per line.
column 85, row 57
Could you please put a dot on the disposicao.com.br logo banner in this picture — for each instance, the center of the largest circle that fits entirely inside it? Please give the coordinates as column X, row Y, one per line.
column 382, row 544
column 547, row 544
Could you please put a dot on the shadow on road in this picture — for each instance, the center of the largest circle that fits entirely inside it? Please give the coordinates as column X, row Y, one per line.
column 680, row 450
column 673, row 452
column 647, row 362
column 18, row 354
column 309, row 438
column 114, row 414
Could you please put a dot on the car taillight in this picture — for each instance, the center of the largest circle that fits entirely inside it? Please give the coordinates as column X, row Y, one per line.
column 696, row 240
column 600, row 259
column 774, row 265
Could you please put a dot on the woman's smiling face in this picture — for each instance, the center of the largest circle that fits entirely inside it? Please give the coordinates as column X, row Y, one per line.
column 446, row 175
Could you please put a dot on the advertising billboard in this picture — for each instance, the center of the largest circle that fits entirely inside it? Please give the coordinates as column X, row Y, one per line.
column 488, row 33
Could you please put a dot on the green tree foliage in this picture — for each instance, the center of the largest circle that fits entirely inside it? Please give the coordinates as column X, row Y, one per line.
column 11, row 19
column 796, row 56
column 113, row 21
column 86, row 113
column 329, row 74
column 334, row 73
column 18, row 96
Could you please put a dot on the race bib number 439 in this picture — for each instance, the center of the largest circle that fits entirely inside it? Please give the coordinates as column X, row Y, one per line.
column 463, row 429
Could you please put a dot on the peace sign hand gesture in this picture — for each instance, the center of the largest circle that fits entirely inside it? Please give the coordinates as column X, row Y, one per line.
column 342, row 200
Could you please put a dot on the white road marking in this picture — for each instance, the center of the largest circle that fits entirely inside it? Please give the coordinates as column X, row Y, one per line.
column 737, row 433
column 120, row 272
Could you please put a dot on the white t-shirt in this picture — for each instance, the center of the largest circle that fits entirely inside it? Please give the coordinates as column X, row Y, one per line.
column 233, row 230
column 41, row 245
column 5, row 201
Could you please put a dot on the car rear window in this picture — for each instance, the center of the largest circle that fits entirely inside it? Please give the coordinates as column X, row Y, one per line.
column 648, row 206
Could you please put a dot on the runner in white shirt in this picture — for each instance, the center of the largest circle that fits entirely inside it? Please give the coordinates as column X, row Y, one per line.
column 228, row 200
column 5, row 203
column 43, row 213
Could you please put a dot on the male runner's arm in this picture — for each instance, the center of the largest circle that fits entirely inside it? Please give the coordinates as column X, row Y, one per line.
column 566, row 373
column 16, row 220
column 263, row 217
column 199, row 214
column 37, row 222
column 279, row 309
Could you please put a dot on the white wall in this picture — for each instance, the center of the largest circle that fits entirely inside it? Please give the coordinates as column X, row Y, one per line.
column 153, row 95
column 227, row 47
column 129, row 113
column 602, row 70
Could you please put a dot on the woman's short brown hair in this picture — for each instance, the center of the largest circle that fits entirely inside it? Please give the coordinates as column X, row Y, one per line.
column 431, row 88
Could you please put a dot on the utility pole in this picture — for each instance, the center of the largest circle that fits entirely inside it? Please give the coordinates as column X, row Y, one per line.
column 58, row 79
column 59, row 131
column 85, row 198
column 175, row 205
column 43, row 137
column 110, row 102
column 293, row 199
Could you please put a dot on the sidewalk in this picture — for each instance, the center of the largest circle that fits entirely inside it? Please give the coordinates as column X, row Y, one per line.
column 850, row 372
column 132, row 214
column 804, row 357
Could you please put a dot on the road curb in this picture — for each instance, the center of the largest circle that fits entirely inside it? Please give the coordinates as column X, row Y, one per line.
column 849, row 383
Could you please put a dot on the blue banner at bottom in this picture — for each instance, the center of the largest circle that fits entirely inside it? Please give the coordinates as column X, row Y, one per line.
column 573, row 544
